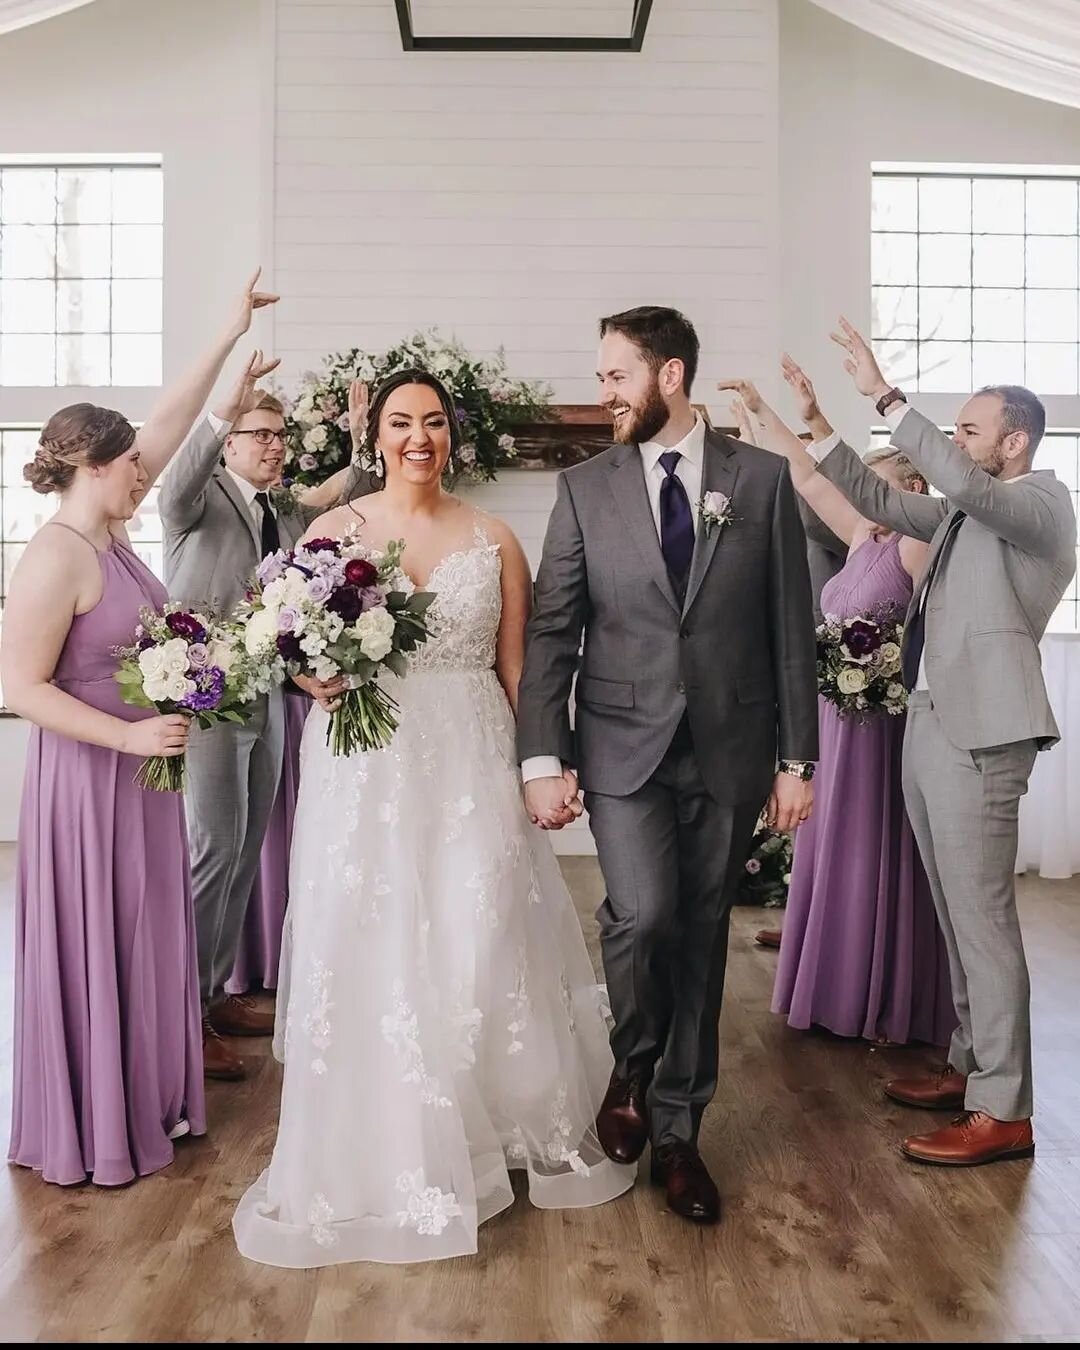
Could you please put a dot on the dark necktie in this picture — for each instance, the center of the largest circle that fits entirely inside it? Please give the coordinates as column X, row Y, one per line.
column 268, row 530
column 676, row 520
column 915, row 637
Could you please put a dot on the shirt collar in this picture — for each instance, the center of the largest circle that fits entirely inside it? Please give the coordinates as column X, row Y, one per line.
column 247, row 490
column 691, row 447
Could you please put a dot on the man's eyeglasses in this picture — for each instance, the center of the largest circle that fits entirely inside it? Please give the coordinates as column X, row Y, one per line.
column 263, row 435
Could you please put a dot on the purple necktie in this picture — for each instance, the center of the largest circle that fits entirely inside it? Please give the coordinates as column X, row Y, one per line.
column 676, row 519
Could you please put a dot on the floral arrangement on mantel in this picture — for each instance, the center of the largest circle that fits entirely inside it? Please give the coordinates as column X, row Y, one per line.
column 488, row 402
column 766, row 873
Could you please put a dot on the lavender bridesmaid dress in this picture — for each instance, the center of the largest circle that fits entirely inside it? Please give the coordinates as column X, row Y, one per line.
column 108, row 1041
column 260, row 941
column 862, row 954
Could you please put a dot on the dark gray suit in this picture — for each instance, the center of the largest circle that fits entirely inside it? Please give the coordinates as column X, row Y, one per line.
column 682, row 705
column 212, row 548
column 826, row 554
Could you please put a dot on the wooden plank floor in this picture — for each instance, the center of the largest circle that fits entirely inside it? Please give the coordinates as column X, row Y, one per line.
column 828, row 1234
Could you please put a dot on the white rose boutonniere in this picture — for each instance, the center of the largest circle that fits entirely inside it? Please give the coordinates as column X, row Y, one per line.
column 715, row 511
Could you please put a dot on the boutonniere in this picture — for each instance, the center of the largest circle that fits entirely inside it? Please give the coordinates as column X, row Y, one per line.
column 287, row 496
column 715, row 511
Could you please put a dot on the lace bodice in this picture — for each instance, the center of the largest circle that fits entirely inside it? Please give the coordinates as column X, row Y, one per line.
column 464, row 617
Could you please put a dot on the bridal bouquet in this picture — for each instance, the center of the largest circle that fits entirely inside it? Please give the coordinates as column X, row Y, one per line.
column 858, row 664
column 186, row 662
column 331, row 607
column 488, row 404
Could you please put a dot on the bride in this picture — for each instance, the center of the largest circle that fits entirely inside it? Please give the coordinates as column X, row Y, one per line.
column 438, row 1016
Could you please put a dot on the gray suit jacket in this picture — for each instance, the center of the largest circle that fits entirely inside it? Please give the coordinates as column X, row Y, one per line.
column 737, row 655
column 826, row 553
column 996, row 580
column 212, row 546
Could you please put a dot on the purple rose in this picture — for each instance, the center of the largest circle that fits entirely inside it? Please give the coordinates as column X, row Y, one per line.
column 289, row 647
column 753, row 866
column 198, row 654
column 308, row 462
column 343, row 422
column 288, row 619
column 346, row 603
column 319, row 588
column 209, row 687
column 186, row 626
column 271, row 567
column 860, row 639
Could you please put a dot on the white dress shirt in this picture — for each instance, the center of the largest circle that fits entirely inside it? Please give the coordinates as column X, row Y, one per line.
column 247, row 490
column 688, row 470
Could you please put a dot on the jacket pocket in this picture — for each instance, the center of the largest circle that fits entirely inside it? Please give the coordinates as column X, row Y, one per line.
column 607, row 693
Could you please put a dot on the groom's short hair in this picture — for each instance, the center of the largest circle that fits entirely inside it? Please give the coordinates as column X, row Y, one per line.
column 663, row 334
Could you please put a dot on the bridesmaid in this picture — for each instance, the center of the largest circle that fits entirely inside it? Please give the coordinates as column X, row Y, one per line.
column 861, row 953
column 108, row 1067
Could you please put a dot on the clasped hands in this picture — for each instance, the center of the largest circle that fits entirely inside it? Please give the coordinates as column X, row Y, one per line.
column 553, row 803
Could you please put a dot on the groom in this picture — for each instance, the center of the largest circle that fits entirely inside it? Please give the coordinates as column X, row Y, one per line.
column 680, row 556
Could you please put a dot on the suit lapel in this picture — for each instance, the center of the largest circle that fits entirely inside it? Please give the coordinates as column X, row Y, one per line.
column 233, row 493
column 945, row 533
column 628, row 486
column 718, row 474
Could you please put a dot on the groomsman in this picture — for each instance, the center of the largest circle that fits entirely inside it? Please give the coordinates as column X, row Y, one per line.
column 220, row 518
column 1002, row 552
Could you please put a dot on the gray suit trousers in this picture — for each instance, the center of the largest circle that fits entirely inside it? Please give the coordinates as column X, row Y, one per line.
column 670, row 856
column 963, row 806
column 232, row 779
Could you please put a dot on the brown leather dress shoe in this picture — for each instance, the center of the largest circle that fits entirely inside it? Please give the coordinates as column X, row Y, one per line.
column 971, row 1140
column 769, row 937
column 691, row 1192
column 622, row 1123
column 218, row 1060
column 940, row 1091
column 237, row 1015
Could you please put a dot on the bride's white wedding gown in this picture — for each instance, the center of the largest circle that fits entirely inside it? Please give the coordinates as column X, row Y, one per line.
column 438, row 1015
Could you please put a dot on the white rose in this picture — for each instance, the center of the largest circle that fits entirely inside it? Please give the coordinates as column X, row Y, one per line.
column 151, row 663
column 155, row 687
column 221, row 654
column 178, row 688
column 174, row 656
column 895, row 691
column 293, row 589
column 261, row 631
column 375, row 629
column 315, row 439
column 851, row 681
column 889, row 657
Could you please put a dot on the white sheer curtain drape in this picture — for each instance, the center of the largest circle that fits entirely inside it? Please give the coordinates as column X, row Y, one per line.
column 22, row 13
column 1031, row 46
column 1050, row 813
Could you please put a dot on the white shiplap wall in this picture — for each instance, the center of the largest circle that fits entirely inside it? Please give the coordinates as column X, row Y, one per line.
column 513, row 199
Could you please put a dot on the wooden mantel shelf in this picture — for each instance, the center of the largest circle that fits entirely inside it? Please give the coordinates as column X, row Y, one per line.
column 576, row 432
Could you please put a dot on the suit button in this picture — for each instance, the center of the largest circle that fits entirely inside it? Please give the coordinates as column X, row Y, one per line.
column 680, row 688
column 685, row 633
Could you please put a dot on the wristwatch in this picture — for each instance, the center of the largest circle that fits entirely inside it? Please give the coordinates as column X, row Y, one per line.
column 798, row 768
column 890, row 396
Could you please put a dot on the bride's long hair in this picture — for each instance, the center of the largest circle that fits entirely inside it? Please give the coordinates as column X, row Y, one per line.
column 414, row 375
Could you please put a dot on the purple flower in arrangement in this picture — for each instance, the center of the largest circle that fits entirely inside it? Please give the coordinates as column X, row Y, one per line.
column 753, row 866
column 462, row 413
column 308, row 462
column 271, row 567
column 323, row 546
column 328, row 406
column 209, row 687
column 319, row 588
column 288, row 619
column 198, row 654
column 861, row 639
column 289, row 647
column 185, row 626
column 343, row 423
column 360, row 572
column 346, row 603
column 143, row 640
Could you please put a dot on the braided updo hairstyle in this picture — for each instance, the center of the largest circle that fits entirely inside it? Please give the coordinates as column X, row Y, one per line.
column 80, row 435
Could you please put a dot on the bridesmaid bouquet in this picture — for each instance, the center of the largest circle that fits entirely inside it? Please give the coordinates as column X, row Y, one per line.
column 185, row 662
column 330, row 607
column 858, row 664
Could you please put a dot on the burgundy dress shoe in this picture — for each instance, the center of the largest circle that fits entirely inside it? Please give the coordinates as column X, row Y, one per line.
column 622, row 1123
column 691, row 1192
column 769, row 937
column 971, row 1140
column 940, row 1091
column 237, row 1015
column 218, row 1060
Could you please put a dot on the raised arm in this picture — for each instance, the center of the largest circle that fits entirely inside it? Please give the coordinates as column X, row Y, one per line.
column 181, row 402
column 825, row 501
column 354, row 480
column 183, row 489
